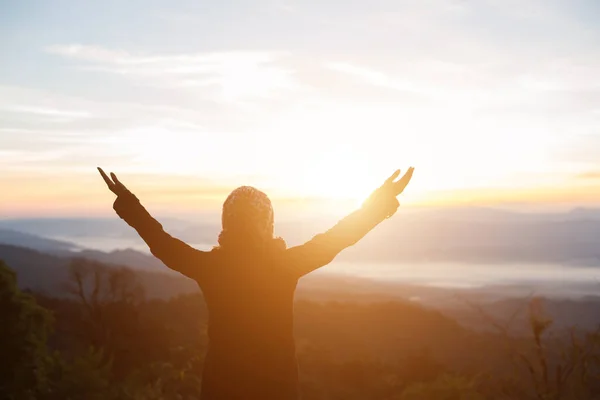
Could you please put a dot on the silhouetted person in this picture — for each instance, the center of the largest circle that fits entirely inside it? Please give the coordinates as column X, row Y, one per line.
column 248, row 282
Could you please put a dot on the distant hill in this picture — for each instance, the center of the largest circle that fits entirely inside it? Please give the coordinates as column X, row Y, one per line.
column 128, row 257
column 27, row 240
column 468, row 235
column 484, row 236
column 47, row 273
column 565, row 313
column 35, row 270
column 69, row 227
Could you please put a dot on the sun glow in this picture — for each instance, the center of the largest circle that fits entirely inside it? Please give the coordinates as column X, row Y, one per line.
column 339, row 152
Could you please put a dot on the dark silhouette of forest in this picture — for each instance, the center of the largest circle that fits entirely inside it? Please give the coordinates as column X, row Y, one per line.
column 106, row 340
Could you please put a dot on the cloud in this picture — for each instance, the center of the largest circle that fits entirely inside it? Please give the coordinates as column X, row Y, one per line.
column 379, row 78
column 36, row 111
column 237, row 75
column 55, row 114
column 90, row 53
column 589, row 175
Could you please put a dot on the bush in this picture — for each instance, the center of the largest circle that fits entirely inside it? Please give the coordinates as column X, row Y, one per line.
column 23, row 334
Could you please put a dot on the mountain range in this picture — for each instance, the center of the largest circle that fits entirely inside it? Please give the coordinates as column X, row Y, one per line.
column 47, row 273
column 468, row 235
column 40, row 253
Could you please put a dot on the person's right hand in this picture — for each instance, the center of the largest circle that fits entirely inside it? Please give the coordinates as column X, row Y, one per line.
column 395, row 188
column 384, row 199
column 114, row 185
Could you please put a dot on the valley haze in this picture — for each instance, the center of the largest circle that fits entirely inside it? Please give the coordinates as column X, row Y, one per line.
column 555, row 254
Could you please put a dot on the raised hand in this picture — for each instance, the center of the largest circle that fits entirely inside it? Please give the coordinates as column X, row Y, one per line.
column 384, row 198
column 397, row 187
column 114, row 185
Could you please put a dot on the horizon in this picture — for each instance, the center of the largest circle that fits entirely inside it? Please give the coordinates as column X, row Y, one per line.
column 334, row 208
column 491, row 102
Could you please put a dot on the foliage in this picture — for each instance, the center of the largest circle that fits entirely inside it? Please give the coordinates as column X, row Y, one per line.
column 165, row 381
column 444, row 387
column 23, row 334
column 110, row 343
column 85, row 376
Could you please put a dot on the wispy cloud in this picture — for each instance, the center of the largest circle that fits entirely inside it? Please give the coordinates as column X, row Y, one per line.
column 91, row 53
column 56, row 114
column 589, row 175
column 379, row 78
column 237, row 75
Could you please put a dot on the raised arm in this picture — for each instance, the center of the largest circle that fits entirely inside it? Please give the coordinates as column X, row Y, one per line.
column 323, row 248
column 174, row 253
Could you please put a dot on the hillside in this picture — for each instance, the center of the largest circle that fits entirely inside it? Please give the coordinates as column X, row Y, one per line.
column 47, row 273
column 128, row 257
column 27, row 240
column 468, row 235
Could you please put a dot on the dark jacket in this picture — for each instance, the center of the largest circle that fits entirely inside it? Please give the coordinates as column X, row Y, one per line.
column 251, row 353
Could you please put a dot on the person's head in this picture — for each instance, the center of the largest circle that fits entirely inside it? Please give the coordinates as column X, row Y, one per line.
column 248, row 221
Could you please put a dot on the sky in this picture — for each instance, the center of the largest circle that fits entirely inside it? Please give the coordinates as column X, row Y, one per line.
column 494, row 102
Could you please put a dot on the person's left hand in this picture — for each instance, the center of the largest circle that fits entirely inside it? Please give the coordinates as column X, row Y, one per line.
column 114, row 185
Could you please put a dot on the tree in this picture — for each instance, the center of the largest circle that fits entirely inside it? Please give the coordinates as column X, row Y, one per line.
column 24, row 328
column 110, row 299
column 86, row 376
column 546, row 366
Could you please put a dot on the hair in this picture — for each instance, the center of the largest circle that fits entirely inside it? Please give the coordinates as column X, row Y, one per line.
column 247, row 223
